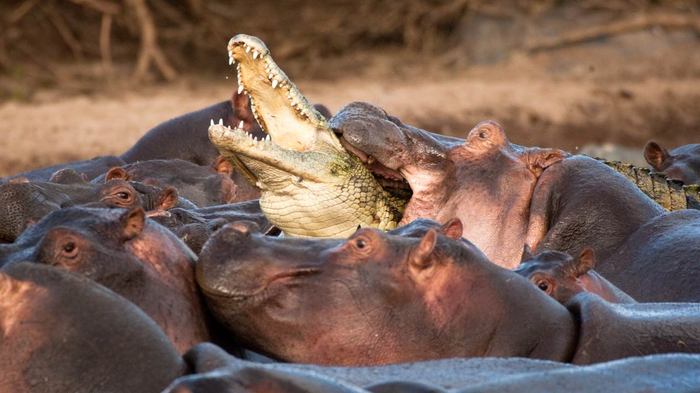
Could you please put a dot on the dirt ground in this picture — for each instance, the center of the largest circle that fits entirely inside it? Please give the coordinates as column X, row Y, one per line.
column 619, row 91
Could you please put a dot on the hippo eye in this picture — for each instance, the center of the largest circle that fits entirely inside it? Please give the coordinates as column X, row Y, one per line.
column 123, row 195
column 543, row 285
column 483, row 134
column 69, row 249
column 361, row 243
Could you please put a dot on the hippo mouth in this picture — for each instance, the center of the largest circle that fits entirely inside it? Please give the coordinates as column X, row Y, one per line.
column 391, row 180
column 269, row 288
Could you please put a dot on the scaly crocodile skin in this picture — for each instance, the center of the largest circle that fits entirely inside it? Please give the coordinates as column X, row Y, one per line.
column 310, row 185
column 670, row 194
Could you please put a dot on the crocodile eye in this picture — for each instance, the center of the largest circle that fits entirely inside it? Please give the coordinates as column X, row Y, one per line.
column 361, row 243
column 483, row 134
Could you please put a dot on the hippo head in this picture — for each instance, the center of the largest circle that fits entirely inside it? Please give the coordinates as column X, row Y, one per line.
column 681, row 163
column 373, row 298
column 484, row 179
column 558, row 274
column 127, row 253
column 62, row 332
column 203, row 185
column 98, row 243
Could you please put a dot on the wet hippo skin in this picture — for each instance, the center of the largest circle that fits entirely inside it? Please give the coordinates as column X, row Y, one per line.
column 195, row 226
column 380, row 293
column 562, row 276
column 659, row 261
column 90, row 168
column 507, row 195
column 216, row 371
column 681, row 163
column 25, row 203
column 129, row 254
column 392, row 299
column 213, row 367
column 185, row 137
column 202, row 185
column 62, row 333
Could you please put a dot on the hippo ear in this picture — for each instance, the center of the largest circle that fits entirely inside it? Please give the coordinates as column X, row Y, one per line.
column 132, row 222
column 540, row 159
column 585, row 261
column 527, row 253
column 117, row 173
column 167, row 199
column 223, row 166
column 421, row 257
column 655, row 155
column 453, row 229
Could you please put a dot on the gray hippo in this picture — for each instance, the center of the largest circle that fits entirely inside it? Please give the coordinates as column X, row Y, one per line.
column 389, row 299
column 127, row 253
column 63, row 333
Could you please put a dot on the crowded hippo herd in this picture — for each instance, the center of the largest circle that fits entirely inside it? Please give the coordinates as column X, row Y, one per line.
column 498, row 268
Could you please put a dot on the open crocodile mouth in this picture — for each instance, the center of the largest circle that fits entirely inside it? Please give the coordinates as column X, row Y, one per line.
column 277, row 104
column 283, row 111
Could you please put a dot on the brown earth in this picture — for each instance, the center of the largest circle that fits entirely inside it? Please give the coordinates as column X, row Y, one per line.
column 624, row 89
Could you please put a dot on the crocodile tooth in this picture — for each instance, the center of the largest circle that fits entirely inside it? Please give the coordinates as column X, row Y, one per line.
column 221, row 122
column 240, row 124
column 255, row 54
column 274, row 83
column 230, row 60
column 247, row 49
column 240, row 88
column 267, row 137
column 211, row 122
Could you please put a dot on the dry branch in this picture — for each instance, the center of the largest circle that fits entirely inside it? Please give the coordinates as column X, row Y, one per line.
column 635, row 23
column 105, row 44
column 149, row 52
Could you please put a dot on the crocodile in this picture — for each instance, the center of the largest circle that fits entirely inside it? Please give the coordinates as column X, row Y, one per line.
column 310, row 185
column 670, row 194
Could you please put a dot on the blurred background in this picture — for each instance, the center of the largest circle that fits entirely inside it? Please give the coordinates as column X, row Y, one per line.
column 80, row 78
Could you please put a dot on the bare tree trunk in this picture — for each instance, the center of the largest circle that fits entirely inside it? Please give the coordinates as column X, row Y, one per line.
column 150, row 52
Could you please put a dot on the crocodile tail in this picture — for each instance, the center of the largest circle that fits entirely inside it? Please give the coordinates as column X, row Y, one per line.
column 670, row 194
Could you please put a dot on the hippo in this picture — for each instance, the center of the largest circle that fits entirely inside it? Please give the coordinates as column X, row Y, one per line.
column 659, row 261
column 201, row 185
column 127, row 253
column 186, row 137
column 216, row 371
column 390, row 299
column 562, row 277
column 509, row 194
column 89, row 168
column 64, row 333
column 23, row 203
column 195, row 226
column 681, row 163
